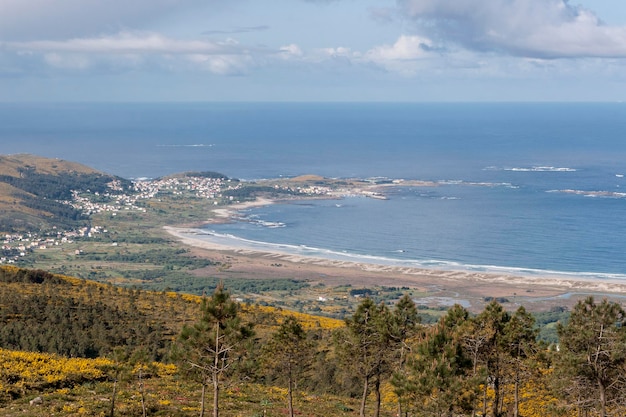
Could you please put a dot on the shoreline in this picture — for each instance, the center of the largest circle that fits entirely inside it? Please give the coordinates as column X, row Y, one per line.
column 260, row 262
column 209, row 242
column 223, row 214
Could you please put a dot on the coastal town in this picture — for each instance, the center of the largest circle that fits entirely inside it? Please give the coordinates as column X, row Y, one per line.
column 17, row 246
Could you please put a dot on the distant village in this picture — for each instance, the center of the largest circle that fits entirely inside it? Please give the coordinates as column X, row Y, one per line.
column 19, row 245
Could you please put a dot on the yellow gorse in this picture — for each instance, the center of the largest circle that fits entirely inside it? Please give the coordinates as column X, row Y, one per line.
column 306, row 320
column 27, row 370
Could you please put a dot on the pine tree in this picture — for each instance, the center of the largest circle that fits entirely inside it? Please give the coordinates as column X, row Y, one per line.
column 519, row 345
column 438, row 377
column 592, row 354
column 289, row 353
column 117, row 370
column 363, row 347
column 405, row 326
column 208, row 349
column 491, row 323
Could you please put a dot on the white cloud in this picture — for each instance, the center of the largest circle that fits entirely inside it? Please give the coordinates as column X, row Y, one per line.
column 137, row 50
column 473, row 38
column 403, row 56
column 405, row 48
column 530, row 28
column 125, row 42
column 290, row 51
column 334, row 53
column 222, row 64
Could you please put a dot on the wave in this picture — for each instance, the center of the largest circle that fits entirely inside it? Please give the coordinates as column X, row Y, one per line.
column 230, row 240
column 530, row 169
column 198, row 145
column 477, row 184
column 585, row 193
column 253, row 219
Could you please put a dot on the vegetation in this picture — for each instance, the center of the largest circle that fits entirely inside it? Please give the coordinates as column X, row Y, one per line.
column 206, row 174
column 489, row 364
column 593, row 357
column 43, row 312
column 209, row 349
column 437, row 380
column 288, row 355
column 362, row 347
column 59, row 186
column 34, row 187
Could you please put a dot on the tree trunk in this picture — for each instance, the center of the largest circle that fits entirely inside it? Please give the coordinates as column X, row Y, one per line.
column 290, row 396
column 516, row 388
column 364, row 397
column 495, row 409
column 474, row 368
column 112, row 413
column 401, row 370
column 216, row 374
column 216, row 396
column 202, row 400
column 377, row 391
column 516, row 395
column 602, row 390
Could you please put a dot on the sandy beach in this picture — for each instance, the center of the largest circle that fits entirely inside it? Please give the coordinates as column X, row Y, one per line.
column 237, row 260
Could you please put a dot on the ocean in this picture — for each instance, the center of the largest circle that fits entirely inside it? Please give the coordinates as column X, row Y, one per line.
column 529, row 188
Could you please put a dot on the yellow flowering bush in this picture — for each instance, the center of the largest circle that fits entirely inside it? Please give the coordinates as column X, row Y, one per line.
column 165, row 369
column 23, row 371
column 306, row 320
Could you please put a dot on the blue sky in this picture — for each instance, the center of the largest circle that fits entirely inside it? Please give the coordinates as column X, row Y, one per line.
column 312, row 50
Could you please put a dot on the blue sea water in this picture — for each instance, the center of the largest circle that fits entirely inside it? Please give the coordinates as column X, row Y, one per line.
column 522, row 187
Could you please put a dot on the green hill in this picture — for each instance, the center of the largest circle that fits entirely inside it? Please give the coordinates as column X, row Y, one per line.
column 43, row 312
column 32, row 189
column 69, row 340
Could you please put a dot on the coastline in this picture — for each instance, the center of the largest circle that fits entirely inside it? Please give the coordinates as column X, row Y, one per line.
column 223, row 214
column 459, row 285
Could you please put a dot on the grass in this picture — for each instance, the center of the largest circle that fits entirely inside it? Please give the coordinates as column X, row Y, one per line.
column 169, row 396
column 10, row 165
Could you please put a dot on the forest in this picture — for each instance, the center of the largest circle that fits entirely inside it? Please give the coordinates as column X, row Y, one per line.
column 59, row 186
column 381, row 360
column 41, row 193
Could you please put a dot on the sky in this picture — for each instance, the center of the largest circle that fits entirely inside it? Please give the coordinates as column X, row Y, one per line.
column 312, row 50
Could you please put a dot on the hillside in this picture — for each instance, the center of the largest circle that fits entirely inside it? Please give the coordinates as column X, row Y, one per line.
column 74, row 347
column 45, row 312
column 32, row 189
column 66, row 340
column 13, row 165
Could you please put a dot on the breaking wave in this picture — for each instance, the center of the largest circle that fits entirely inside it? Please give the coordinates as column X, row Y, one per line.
column 239, row 243
column 531, row 169
column 584, row 193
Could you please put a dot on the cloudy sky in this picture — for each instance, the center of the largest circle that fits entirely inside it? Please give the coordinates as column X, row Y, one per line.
column 312, row 50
